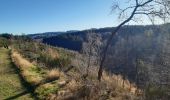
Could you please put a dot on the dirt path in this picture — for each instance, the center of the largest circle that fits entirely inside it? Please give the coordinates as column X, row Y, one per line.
column 11, row 85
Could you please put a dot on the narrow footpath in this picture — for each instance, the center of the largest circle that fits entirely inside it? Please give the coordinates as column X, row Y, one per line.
column 11, row 85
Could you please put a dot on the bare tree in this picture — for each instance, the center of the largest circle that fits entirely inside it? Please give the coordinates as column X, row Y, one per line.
column 152, row 9
column 91, row 48
column 91, row 42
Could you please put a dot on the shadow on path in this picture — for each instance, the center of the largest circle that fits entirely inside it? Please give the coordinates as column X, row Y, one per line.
column 28, row 88
column 16, row 96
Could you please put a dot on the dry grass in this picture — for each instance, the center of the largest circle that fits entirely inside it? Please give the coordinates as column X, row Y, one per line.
column 22, row 63
column 53, row 74
column 27, row 69
column 54, row 54
column 111, row 86
column 118, row 81
column 73, row 85
column 93, row 90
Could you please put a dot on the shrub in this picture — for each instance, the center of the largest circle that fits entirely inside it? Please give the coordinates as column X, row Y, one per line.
column 153, row 92
column 45, row 90
column 53, row 74
column 4, row 42
column 51, row 62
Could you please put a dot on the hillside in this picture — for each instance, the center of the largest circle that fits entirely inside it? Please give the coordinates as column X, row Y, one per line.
column 139, row 53
column 82, row 36
column 137, row 67
column 133, row 46
column 61, row 74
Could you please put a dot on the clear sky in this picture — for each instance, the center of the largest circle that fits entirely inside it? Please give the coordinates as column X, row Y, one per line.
column 32, row 16
column 36, row 16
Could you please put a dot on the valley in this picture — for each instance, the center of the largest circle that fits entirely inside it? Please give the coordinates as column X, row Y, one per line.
column 52, row 72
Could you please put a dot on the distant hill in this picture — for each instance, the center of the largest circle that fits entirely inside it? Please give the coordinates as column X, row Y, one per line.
column 48, row 34
column 78, row 37
column 44, row 35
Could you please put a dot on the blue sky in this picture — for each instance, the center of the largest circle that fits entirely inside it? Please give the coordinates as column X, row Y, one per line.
column 32, row 16
column 36, row 16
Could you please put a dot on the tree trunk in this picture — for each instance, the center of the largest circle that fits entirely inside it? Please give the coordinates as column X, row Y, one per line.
column 110, row 40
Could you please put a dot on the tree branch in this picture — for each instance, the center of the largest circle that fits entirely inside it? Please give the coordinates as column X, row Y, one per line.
column 110, row 39
column 142, row 8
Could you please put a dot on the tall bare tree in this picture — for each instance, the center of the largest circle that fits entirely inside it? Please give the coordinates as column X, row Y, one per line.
column 91, row 42
column 154, row 10
column 91, row 47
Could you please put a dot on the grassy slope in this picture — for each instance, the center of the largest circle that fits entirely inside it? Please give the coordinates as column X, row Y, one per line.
column 10, row 83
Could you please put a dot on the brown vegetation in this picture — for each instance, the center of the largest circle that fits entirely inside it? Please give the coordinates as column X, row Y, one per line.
column 28, row 70
column 53, row 74
column 52, row 83
column 76, row 88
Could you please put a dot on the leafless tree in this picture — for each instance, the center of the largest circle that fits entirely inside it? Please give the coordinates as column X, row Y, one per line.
column 152, row 9
column 91, row 48
column 91, row 42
